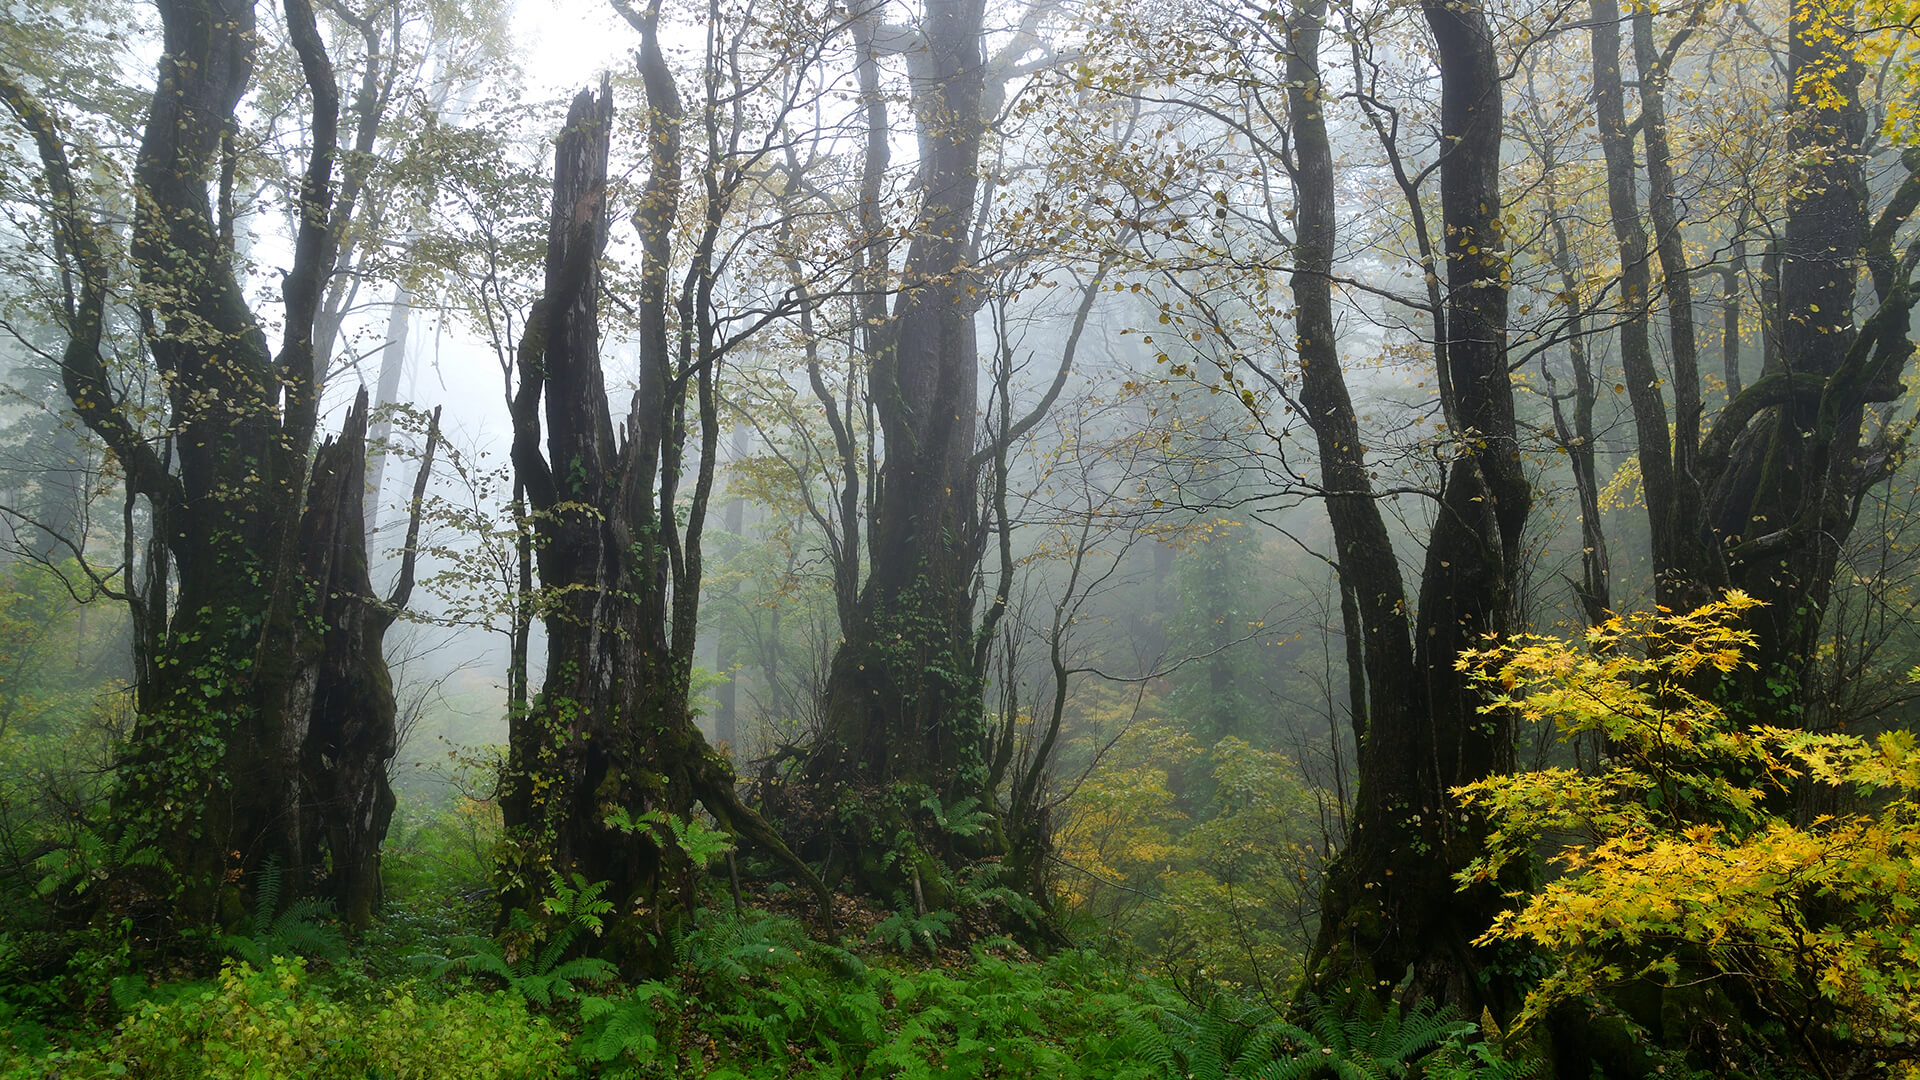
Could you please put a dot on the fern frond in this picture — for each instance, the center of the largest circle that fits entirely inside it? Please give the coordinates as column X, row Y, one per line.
column 630, row 1031
column 535, row 988
column 266, row 896
column 1410, row 1035
column 581, row 969
column 1270, row 1041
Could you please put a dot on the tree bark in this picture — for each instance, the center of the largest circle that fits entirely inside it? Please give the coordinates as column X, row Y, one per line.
column 1390, row 910
column 904, row 716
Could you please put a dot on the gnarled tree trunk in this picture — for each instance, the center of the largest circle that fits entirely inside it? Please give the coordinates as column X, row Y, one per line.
column 611, row 738
column 229, row 768
column 904, row 719
column 1390, row 909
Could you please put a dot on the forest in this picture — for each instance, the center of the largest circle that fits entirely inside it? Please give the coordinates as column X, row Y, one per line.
column 1138, row 539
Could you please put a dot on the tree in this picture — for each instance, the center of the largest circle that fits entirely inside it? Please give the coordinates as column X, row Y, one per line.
column 903, row 718
column 237, row 675
column 477, row 256
column 345, row 800
column 1675, row 870
column 1417, row 738
column 607, row 765
column 1763, row 499
column 1250, row 262
column 1540, row 126
column 904, row 736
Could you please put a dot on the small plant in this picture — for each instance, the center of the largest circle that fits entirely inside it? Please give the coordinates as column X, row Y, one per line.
column 577, row 907
column 1225, row 1038
column 1460, row 1059
column 627, row 1026
column 73, row 869
column 964, row 818
column 905, row 931
column 1372, row 1044
column 695, row 839
column 300, row 929
column 539, row 972
column 1680, row 863
column 1229, row 1038
column 274, row 1023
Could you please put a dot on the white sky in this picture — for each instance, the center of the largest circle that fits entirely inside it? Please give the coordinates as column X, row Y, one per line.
column 564, row 45
column 568, row 43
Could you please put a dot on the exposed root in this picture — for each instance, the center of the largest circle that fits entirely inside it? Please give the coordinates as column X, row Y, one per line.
column 723, row 802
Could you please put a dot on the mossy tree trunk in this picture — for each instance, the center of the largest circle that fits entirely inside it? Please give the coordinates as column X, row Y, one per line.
column 611, row 737
column 1763, row 497
column 904, row 715
column 345, row 690
column 1390, row 910
column 243, row 686
column 1788, row 460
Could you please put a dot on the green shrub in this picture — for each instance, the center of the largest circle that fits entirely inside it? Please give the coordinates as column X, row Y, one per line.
column 755, row 998
column 272, row 1024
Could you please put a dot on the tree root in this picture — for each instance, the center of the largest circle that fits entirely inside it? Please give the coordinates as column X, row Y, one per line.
column 723, row 802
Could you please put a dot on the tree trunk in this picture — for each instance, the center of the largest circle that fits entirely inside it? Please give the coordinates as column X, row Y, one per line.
column 611, row 738
column 1390, row 910
column 212, row 774
column 244, row 713
column 1577, row 437
column 904, row 716
column 1783, row 499
column 346, row 802
column 727, row 653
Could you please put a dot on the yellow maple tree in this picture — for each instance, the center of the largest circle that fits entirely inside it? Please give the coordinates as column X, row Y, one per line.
column 1685, row 859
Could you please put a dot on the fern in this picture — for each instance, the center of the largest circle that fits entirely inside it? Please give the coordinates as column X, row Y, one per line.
column 1223, row 1039
column 1230, row 1039
column 629, row 1025
column 964, row 818
column 695, row 839
column 90, row 858
column 299, row 929
column 903, row 930
column 759, row 978
column 1460, row 1060
column 540, row 975
column 1143, row 1038
column 1373, row 1045
column 979, row 886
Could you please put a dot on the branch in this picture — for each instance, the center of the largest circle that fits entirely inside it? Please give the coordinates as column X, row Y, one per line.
column 1879, row 246
column 1775, row 389
column 82, row 370
column 102, row 583
column 403, row 588
column 530, row 358
column 715, row 789
column 1027, row 422
column 316, row 241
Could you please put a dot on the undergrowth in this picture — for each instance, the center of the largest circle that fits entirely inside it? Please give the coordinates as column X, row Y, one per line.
column 749, row 998
column 435, row 990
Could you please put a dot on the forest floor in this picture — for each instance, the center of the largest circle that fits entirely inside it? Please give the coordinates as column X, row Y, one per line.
column 757, row 993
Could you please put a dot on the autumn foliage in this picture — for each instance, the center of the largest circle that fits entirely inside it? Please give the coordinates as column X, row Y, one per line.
column 1686, row 861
